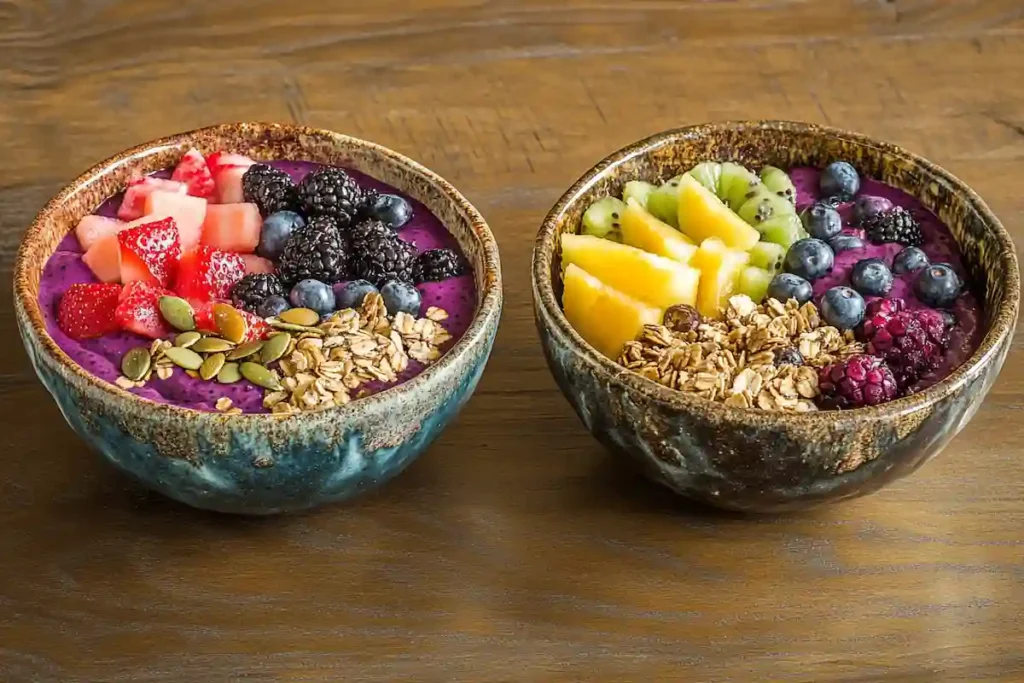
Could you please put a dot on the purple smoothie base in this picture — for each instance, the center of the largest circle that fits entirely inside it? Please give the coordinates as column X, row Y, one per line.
column 938, row 244
column 102, row 357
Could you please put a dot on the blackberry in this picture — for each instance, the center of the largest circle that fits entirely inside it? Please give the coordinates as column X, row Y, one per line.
column 249, row 292
column 270, row 189
column 855, row 382
column 435, row 265
column 329, row 191
column 910, row 342
column 316, row 251
column 896, row 225
column 379, row 255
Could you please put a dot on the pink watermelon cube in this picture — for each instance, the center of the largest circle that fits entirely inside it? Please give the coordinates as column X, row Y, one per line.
column 229, row 185
column 91, row 229
column 218, row 161
column 104, row 258
column 187, row 211
column 257, row 264
column 232, row 227
column 134, row 203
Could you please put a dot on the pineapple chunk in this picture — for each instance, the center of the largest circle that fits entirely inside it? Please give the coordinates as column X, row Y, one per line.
column 655, row 280
column 605, row 317
column 643, row 231
column 703, row 215
column 720, row 268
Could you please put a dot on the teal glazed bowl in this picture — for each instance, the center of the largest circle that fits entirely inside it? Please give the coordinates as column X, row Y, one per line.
column 759, row 461
column 262, row 463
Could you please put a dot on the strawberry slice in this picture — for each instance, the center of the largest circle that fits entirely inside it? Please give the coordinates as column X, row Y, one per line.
column 218, row 161
column 257, row 327
column 194, row 172
column 138, row 310
column 134, row 203
column 150, row 252
column 86, row 310
column 205, row 274
column 204, row 316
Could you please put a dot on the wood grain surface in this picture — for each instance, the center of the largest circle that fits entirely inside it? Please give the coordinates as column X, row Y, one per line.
column 514, row 550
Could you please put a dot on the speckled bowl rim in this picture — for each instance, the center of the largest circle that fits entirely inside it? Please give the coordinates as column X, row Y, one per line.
column 1002, row 325
column 487, row 312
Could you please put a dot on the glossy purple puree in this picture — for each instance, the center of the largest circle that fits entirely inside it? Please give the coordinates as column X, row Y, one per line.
column 939, row 245
column 102, row 357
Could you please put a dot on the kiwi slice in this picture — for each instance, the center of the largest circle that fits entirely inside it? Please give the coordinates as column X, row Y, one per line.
column 779, row 182
column 707, row 174
column 768, row 256
column 664, row 202
column 601, row 219
column 754, row 282
column 735, row 185
column 782, row 230
column 763, row 205
column 638, row 190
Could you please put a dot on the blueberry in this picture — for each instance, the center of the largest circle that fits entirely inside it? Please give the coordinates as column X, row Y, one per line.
column 842, row 307
column 937, row 286
column 822, row 221
column 272, row 306
column 910, row 260
column 391, row 209
column 313, row 294
column 351, row 294
column 841, row 243
column 276, row 229
column 839, row 179
column 871, row 277
column 868, row 206
column 401, row 297
column 786, row 286
column 809, row 258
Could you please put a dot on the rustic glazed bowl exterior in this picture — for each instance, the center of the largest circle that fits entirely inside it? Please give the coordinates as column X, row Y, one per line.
column 756, row 461
column 262, row 464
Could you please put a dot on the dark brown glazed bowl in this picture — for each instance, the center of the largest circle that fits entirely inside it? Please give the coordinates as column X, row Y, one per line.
column 751, row 460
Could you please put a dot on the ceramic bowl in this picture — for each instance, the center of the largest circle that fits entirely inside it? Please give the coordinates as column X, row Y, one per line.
column 262, row 464
column 752, row 460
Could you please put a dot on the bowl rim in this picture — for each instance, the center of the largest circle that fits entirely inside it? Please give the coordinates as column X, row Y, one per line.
column 484, row 317
column 548, row 308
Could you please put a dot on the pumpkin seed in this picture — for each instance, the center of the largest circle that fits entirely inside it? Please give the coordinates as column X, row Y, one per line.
column 281, row 325
column 187, row 339
column 300, row 316
column 275, row 347
column 212, row 345
column 229, row 374
column 135, row 364
column 229, row 322
column 245, row 350
column 184, row 358
column 260, row 376
column 211, row 366
column 178, row 313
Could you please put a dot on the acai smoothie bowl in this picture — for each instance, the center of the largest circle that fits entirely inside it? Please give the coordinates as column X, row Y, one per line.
column 770, row 315
column 259, row 318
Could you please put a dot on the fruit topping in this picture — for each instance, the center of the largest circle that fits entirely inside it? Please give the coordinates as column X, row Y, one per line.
column 663, row 202
column 754, row 282
column 871, row 277
column 232, row 227
column 779, row 182
column 786, row 286
column 762, row 205
column 222, row 160
column 708, row 174
column 702, row 215
column 138, row 310
column 783, row 230
column 735, row 185
column 720, row 269
column 435, row 265
column 270, row 189
column 768, row 256
column 605, row 317
column 351, row 294
column 642, row 230
column 257, row 264
column 250, row 291
column 839, row 179
column 331, row 192
column 150, row 252
column 188, row 213
column 603, row 217
column 842, row 308
column 681, row 318
column 910, row 342
column 104, row 259
column 206, row 274
column 195, row 173
column 134, row 203
column 389, row 209
column 401, row 297
column 379, row 255
column 867, row 207
column 896, row 225
column 810, row 259
column 86, row 310
column 274, row 234
column 91, row 229
column 822, row 221
column 639, row 191
column 937, row 286
column 314, row 295
column 789, row 355
column 272, row 306
column 315, row 251
column 256, row 327
column 860, row 380
column 909, row 260
column 841, row 243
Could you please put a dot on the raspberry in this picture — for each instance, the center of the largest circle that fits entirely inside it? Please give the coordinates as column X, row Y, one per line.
column 857, row 381
column 910, row 342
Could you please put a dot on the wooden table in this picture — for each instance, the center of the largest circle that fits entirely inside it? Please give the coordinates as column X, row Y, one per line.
column 514, row 550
